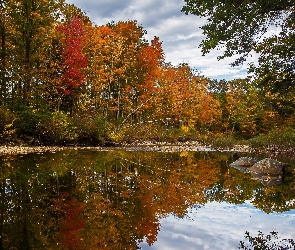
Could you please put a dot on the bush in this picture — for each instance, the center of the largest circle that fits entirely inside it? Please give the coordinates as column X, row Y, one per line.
column 89, row 130
column 6, row 124
column 281, row 137
column 225, row 142
column 259, row 141
column 58, row 128
column 6, row 118
column 27, row 123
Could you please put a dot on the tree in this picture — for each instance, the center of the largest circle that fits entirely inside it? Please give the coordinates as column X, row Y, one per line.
column 31, row 21
column 4, row 22
column 74, row 61
column 270, row 241
column 183, row 99
column 242, row 27
column 122, row 72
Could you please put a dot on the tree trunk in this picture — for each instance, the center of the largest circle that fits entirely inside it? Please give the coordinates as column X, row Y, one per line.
column 3, row 93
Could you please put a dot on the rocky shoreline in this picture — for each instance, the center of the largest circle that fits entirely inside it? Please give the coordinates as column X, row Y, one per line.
column 13, row 150
column 190, row 146
column 136, row 146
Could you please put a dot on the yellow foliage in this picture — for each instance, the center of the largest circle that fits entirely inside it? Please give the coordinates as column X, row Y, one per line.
column 185, row 129
column 116, row 136
column 184, row 154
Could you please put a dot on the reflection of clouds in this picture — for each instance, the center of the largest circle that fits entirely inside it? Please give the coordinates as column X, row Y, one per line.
column 220, row 226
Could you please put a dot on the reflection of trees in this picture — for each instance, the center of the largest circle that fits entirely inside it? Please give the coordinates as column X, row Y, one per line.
column 274, row 199
column 132, row 194
column 20, row 200
column 266, row 242
column 233, row 187
column 236, row 187
column 113, row 200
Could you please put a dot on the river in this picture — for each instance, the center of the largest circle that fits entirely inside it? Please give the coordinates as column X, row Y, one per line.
column 116, row 199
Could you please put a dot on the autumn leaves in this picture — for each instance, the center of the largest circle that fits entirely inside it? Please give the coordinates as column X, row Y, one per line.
column 126, row 79
column 56, row 61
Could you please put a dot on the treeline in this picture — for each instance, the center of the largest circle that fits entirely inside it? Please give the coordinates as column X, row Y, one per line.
column 65, row 80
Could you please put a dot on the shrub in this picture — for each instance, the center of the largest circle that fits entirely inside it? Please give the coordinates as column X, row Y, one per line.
column 259, row 141
column 225, row 142
column 281, row 137
column 101, row 125
column 87, row 129
column 27, row 123
column 6, row 124
column 58, row 128
column 6, row 118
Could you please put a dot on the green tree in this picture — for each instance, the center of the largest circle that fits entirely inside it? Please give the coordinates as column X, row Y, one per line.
column 242, row 27
column 265, row 242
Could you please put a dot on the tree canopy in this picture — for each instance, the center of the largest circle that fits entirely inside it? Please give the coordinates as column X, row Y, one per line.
column 65, row 80
column 246, row 26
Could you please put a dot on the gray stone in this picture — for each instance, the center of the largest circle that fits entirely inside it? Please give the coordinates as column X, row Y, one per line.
column 268, row 180
column 268, row 166
column 268, row 171
column 243, row 163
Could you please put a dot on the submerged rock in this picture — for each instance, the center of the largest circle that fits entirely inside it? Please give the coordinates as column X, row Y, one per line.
column 268, row 171
column 268, row 180
column 243, row 163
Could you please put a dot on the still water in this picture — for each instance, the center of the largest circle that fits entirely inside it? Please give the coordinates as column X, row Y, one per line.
column 83, row 199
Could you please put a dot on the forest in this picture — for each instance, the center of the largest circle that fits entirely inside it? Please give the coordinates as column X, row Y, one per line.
column 65, row 80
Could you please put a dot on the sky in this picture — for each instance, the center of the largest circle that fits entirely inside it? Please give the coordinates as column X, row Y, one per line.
column 180, row 34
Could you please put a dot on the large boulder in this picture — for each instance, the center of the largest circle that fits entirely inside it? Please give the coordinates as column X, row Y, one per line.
column 243, row 163
column 268, row 166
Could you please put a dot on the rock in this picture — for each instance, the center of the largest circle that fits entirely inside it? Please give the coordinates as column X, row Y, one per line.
column 268, row 167
column 243, row 163
column 268, row 171
column 268, row 180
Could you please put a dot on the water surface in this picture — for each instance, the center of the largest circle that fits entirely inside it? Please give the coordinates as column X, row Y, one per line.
column 82, row 199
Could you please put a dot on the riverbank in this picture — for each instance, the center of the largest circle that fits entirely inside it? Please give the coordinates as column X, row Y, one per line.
column 135, row 146
column 190, row 146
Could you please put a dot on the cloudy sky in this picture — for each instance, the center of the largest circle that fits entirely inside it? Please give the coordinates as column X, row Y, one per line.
column 179, row 33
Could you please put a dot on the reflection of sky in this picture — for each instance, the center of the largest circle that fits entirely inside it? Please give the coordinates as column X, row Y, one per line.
column 220, row 226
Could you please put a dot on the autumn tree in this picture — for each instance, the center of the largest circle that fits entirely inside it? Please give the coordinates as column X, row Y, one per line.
column 4, row 27
column 150, row 60
column 113, row 49
column 122, row 73
column 31, row 21
column 30, row 50
column 73, row 59
column 183, row 99
column 242, row 107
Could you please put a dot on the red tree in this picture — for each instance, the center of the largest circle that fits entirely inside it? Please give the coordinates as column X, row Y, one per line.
column 74, row 61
